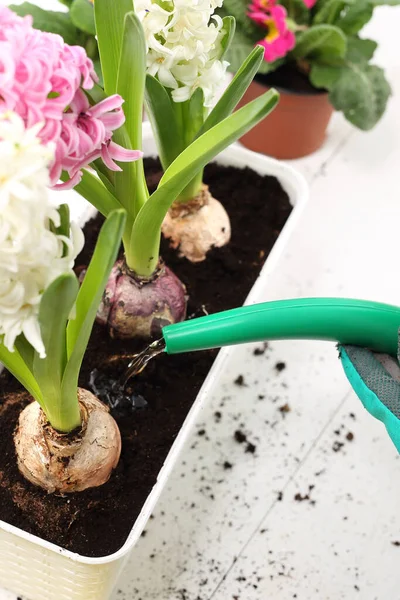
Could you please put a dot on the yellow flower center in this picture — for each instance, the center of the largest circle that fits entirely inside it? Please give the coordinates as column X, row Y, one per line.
column 273, row 32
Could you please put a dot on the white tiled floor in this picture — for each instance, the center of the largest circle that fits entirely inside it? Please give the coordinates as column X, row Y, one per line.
column 239, row 533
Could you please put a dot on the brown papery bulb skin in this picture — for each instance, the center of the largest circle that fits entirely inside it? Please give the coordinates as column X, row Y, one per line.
column 134, row 307
column 65, row 463
column 197, row 226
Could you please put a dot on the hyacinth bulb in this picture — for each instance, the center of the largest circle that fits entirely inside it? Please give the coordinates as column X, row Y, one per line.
column 64, row 463
column 138, row 307
column 197, row 226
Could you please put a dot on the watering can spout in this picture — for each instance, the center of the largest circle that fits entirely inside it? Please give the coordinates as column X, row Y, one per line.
column 359, row 322
column 362, row 329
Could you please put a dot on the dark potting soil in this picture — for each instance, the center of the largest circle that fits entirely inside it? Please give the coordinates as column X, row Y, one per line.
column 97, row 522
column 289, row 79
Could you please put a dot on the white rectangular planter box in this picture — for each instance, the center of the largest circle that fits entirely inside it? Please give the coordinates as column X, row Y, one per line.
column 40, row 570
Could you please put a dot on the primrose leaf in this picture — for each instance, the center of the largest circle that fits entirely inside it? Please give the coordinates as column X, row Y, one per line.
column 238, row 9
column 329, row 11
column 82, row 16
column 355, row 17
column 361, row 93
column 49, row 20
column 324, row 76
column 298, row 11
column 360, row 50
column 385, row 2
column 321, row 42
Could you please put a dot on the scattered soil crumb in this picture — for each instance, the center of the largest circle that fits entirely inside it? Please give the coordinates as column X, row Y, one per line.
column 201, row 432
column 218, row 416
column 240, row 437
column 319, row 473
column 280, row 496
column 260, row 350
column 350, row 436
column 305, row 497
column 239, row 381
column 251, row 448
column 285, row 409
column 396, row 543
column 280, row 366
column 337, row 446
column 227, row 465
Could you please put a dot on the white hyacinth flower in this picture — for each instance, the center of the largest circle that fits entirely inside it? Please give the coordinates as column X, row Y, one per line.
column 184, row 45
column 31, row 255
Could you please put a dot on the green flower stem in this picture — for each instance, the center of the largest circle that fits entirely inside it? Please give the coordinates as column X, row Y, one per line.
column 63, row 416
column 190, row 116
column 191, row 190
column 128, row 253
column 145, row 237
column 141, row 265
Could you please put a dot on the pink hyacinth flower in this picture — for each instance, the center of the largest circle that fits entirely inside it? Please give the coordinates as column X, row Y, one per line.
column 86, row 135
column 41, row 79
column 279, row 39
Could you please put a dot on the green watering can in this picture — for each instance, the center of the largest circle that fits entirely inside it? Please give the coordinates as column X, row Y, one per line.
column 367, row 333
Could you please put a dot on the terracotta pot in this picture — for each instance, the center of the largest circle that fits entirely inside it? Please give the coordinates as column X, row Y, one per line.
column 295, row 128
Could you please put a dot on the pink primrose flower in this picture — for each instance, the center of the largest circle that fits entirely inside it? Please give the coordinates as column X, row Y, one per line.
column 279, row 39
column 42, row 79
column 309, row 3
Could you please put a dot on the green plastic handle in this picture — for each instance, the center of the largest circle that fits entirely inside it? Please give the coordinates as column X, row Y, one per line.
column 358, row 322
